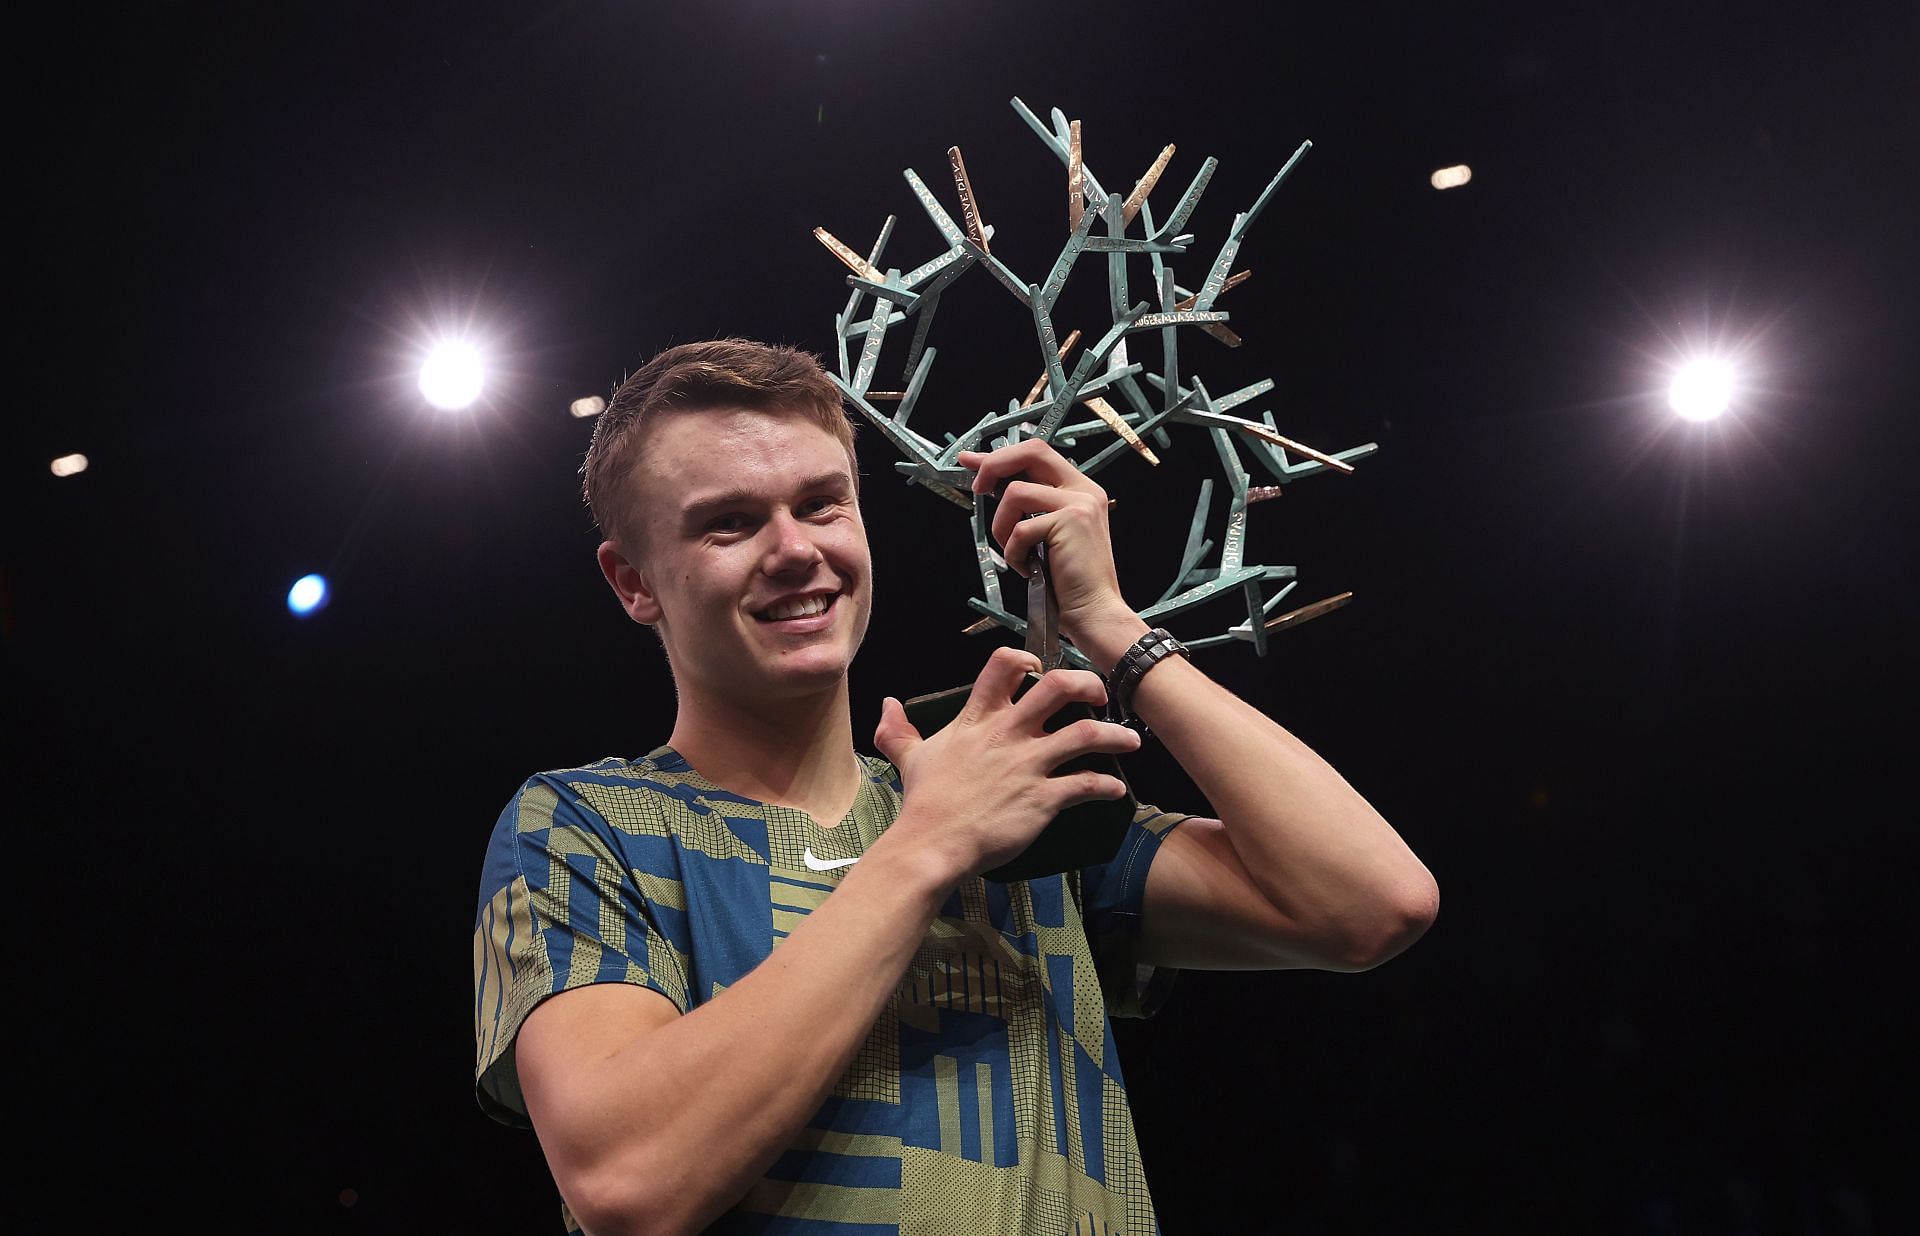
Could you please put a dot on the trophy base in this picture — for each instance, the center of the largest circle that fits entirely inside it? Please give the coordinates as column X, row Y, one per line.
column 1083, row 835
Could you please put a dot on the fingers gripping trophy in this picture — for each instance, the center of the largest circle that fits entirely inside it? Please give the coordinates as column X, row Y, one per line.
column 1072, row 423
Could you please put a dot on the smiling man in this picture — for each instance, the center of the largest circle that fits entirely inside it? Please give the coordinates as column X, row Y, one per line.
column 754, row 981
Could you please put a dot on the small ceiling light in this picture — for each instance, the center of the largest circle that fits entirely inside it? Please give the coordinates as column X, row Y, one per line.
column 1452, row 177
column 69, row 465
column 588, row 405
column 307, row 596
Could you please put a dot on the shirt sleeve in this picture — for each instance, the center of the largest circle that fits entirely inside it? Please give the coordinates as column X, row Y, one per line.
column 560, row 907
column 1114, row 893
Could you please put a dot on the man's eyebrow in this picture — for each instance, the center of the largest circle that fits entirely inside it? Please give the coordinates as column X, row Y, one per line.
column 836, row 480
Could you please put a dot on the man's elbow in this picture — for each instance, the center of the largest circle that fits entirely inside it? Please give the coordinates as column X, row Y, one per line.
column 605, row 1205
column 626, row 1203
column 1397, row 920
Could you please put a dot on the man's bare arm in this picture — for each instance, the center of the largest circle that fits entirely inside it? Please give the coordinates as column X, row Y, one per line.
column 1299, row 871
column 654, row 1122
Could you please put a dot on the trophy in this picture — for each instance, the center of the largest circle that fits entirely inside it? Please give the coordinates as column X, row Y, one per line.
column 1152, row 406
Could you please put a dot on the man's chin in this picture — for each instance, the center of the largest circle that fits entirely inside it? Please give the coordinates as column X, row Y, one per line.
column 805, row 671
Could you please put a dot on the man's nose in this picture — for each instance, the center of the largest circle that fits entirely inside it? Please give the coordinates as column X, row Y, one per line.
column 793, row 546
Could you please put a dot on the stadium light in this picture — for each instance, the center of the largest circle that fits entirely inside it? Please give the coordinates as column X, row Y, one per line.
column 1702, row 389
column 452, row 375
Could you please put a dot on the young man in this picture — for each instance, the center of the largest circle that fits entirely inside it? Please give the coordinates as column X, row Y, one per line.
column 754, row 980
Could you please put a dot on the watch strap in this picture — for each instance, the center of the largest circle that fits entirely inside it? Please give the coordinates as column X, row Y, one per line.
column 1146, row 652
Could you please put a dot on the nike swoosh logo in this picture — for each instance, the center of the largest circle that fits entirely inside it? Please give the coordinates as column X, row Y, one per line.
column 824, row 864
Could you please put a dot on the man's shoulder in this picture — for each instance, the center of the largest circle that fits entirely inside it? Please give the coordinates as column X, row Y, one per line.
column 662, row 771
column 608, row 805
column 658, row 789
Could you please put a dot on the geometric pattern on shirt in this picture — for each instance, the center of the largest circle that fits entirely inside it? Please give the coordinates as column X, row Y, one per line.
column 988, row 1087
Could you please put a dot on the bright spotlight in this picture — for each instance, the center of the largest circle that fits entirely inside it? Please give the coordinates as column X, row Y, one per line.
column 1451, row 177
column 1702, row 389
column 307, row 596
column 588, row 405
column 452, row 375
column 69, row 465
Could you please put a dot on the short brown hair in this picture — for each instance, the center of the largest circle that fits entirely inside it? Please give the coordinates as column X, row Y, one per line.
column 717, row 373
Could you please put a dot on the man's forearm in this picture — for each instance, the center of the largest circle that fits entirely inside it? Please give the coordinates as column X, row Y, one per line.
column 692, row 1113
column 1313, row 874
column 1315, row 847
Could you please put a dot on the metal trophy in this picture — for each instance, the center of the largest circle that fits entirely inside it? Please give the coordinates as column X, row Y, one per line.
column 1151, row 406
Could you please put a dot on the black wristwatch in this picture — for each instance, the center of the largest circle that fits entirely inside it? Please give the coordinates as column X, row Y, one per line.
column 1147, row 651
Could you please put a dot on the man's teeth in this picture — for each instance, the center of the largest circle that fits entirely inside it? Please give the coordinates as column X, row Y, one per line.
column 798, row 609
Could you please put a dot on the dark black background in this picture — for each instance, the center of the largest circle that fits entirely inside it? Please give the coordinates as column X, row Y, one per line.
column 1637, row 691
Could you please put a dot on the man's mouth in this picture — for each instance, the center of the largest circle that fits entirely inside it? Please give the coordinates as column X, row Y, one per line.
column 799, row 607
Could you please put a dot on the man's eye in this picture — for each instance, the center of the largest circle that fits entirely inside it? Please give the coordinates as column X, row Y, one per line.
column 814, row 506
column 727, row 523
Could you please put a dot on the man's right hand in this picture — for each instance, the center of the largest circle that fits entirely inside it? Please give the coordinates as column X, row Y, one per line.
column 982, row 788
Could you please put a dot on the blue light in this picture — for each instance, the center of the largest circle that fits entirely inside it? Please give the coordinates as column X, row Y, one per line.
column 308, row 595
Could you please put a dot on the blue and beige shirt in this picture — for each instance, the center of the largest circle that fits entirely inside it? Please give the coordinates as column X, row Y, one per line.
column 988, row 1097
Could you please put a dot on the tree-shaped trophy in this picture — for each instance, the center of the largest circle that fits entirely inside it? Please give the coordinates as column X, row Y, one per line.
column 1134, row 410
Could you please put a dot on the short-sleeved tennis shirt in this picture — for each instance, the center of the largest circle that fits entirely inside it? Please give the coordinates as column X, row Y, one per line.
column 988, row 1097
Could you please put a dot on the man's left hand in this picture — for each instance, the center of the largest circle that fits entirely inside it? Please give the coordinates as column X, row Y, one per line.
column 1046, row 498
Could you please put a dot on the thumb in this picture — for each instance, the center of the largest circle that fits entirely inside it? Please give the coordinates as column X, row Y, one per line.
column 895, row 735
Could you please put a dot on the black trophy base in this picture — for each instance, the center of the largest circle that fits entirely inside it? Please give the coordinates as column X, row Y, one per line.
column 1083, row 835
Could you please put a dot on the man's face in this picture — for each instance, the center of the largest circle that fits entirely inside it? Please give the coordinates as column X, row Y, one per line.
column 752, row 563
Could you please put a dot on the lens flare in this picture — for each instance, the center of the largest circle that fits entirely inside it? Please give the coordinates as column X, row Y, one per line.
column 1702, row 389
column 452, row 376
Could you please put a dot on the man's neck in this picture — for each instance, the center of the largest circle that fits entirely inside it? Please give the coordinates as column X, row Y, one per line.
column 798, row 753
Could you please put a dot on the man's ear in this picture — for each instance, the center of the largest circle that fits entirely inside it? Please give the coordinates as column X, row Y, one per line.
column 628, row 583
